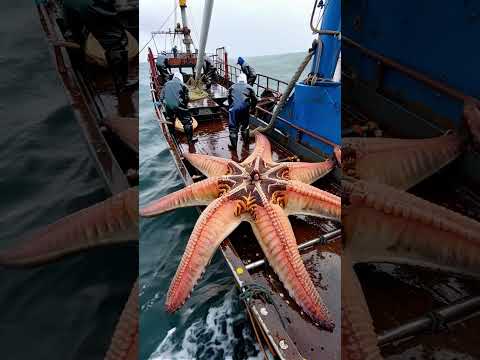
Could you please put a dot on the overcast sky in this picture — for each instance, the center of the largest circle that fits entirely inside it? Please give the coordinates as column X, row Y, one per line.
column 244, row 27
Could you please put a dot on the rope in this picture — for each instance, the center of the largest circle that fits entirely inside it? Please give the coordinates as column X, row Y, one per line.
column 286, row 94
column 161, row 27
column 143, row 48
column 155, row 43
column 251, row 291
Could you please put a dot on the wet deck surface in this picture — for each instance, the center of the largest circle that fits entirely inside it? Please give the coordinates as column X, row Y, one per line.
column 210, row 104
column 127, row 105
column 321, row 261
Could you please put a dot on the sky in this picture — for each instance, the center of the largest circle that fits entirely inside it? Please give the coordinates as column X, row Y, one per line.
column 244, row 27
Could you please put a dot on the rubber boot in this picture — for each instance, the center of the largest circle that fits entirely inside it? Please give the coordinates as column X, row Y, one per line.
column 118, row 62
column 127, row 85
column 233, row 140
column 189, row 133
column 246, row 136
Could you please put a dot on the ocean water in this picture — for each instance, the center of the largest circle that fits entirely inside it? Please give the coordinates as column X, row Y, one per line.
column 212, row 324
column 66, row 309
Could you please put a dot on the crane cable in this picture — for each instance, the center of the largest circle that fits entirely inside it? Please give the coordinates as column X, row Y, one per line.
column 153, row 35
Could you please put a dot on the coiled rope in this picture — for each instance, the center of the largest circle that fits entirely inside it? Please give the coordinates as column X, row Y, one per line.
column 287, row 92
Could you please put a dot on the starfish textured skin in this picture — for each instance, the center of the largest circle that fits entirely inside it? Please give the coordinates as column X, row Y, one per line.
column 263, row 193
column 110, row 222
column 382, row 222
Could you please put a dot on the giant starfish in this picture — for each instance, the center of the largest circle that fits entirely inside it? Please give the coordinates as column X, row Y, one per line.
column 383, row 223
column 109, row 222
column 261, row 192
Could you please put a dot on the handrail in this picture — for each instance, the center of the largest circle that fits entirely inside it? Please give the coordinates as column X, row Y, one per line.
column 436, row 85
column 234, row 71
column 300, row 129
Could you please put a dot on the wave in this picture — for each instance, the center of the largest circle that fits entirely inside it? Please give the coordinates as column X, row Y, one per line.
column 222, row 334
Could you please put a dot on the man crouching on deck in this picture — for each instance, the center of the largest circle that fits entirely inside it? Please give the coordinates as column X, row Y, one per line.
column 174, row 97
column 241, row 98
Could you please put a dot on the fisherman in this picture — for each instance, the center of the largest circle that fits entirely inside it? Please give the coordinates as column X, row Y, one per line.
column 100, row 18
column 248, row 70
column 210, row 73
column 175, row 51
column 241, row 98
column 174, row 97
column 163, row 68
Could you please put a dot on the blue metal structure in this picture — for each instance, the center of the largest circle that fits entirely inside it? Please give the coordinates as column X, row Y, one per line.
column 435, row 38
column 316, row 105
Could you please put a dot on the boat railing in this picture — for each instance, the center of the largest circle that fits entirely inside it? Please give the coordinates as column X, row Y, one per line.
column 262, row 84
column 299, row 130
column 153, row 70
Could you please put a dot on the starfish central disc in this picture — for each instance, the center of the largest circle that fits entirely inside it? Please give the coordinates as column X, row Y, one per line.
column 263, row 193
column 254, row 175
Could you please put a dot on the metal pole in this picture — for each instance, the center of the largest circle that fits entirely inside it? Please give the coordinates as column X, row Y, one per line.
column 207, row 15
column 183, row 10
column 448, row 313
column 321, row 239
column 175, row 12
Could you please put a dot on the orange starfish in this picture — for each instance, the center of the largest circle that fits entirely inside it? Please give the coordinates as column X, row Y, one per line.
column 263, row 193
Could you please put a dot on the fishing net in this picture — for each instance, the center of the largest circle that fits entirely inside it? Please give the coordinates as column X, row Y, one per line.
column 195, row 89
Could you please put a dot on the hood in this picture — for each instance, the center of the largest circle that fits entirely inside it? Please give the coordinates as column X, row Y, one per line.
column 242, row 78
column 240, row 61
column 177, row 75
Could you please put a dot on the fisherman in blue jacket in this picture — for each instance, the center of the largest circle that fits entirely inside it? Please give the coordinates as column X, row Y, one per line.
column 100, row 18
column 247, row 70
column 241, row 98
column 163, row 68
column 174, row 97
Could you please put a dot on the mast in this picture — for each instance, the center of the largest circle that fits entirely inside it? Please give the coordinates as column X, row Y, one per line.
column 207, row 15
column 187, row 40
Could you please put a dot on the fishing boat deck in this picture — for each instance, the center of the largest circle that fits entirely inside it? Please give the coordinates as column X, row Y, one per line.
column 321, row 260
column 127, row 105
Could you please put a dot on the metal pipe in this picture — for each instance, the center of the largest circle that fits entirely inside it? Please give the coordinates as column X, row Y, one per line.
column 207, row 15
column 321, row 239
column 448, row 313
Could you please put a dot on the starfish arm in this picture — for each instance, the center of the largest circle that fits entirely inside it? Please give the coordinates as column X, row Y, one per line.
column 401, row 163
column 215, row 223
column 212, row 165
column 305, row 199
column 302, row 171
column 125, row 340
column 112, row 221
column 359, row 340
column 200, row 193
column 408, row 229
column 275, row 235
column 262, row 149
